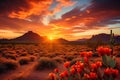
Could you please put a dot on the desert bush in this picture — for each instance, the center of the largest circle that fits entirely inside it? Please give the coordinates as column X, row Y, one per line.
column 51, row 55
column 46, row 63
column 11, row 56
column 69, row 57
column 95, row 55
column 32, row 58
column 23, row 54
column 74, row 61
column 58, row 59
column 8, row 64
column 11, row 64
column 24, row 60
column 2, row 66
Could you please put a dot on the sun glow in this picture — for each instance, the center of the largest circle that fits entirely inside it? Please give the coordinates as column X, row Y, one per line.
column 51, row 38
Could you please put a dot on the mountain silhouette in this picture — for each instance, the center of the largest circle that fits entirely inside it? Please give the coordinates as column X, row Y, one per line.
column 32, row 37
column 105, row 38
column 100, row 38
column 29, row 37
column 61, row 40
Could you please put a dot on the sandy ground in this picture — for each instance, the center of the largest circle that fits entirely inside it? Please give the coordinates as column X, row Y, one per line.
column 24, row 70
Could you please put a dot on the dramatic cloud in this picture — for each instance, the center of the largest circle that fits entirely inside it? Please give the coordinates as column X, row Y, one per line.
column 76, row 16
column 23, row 8
column 99, row 14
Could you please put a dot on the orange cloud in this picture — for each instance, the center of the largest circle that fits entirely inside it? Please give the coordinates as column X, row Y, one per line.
column 37, row 8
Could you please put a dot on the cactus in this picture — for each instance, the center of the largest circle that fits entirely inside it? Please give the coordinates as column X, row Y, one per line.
column 112, row 41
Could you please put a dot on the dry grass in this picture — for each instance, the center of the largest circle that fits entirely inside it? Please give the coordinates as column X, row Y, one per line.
column 58, row 59
column 24, row 60
column 32, row 58
column 45, row 63
column 8, row 64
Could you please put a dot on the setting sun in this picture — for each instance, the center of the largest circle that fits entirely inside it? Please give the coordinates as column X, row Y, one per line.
column 50, row 38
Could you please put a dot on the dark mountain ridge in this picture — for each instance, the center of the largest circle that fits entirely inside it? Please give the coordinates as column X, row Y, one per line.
column 105, row 38
column 31, row 37
column 28, row 37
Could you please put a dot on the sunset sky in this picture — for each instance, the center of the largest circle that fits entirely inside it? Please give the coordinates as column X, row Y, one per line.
column 68, row 19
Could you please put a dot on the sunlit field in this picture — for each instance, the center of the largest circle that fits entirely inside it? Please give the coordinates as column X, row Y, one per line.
column 36, row 61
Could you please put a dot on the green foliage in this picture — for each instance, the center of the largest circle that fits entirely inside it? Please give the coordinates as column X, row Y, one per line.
column 108, row 61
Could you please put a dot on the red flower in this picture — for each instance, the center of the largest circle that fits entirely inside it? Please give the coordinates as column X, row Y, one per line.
column 78, row 66
column 86, row 54
column 89, row 54
column 86, row 76
column 64, row 74
column 115, row 72
column 72, row 71
column 78, row 63
column 73, row 66
column 82, row 65
column 93, row 75
column 67, row 64
column 99, row 64
column 52, row 76
column 107, row 51
column 79, row 70
column 94, row 66
column 83, row 54
column 85, row 59
column 56, row 70
column 103, row 51
column 107, row 71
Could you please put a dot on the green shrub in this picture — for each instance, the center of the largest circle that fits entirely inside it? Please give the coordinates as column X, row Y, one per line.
column 46, row 63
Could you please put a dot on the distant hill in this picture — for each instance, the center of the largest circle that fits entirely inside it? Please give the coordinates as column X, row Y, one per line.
column 31, row 37
column 61, row 40
column 105, row 38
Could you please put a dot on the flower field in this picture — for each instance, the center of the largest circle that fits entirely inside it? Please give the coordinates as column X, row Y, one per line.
column 71, row 62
